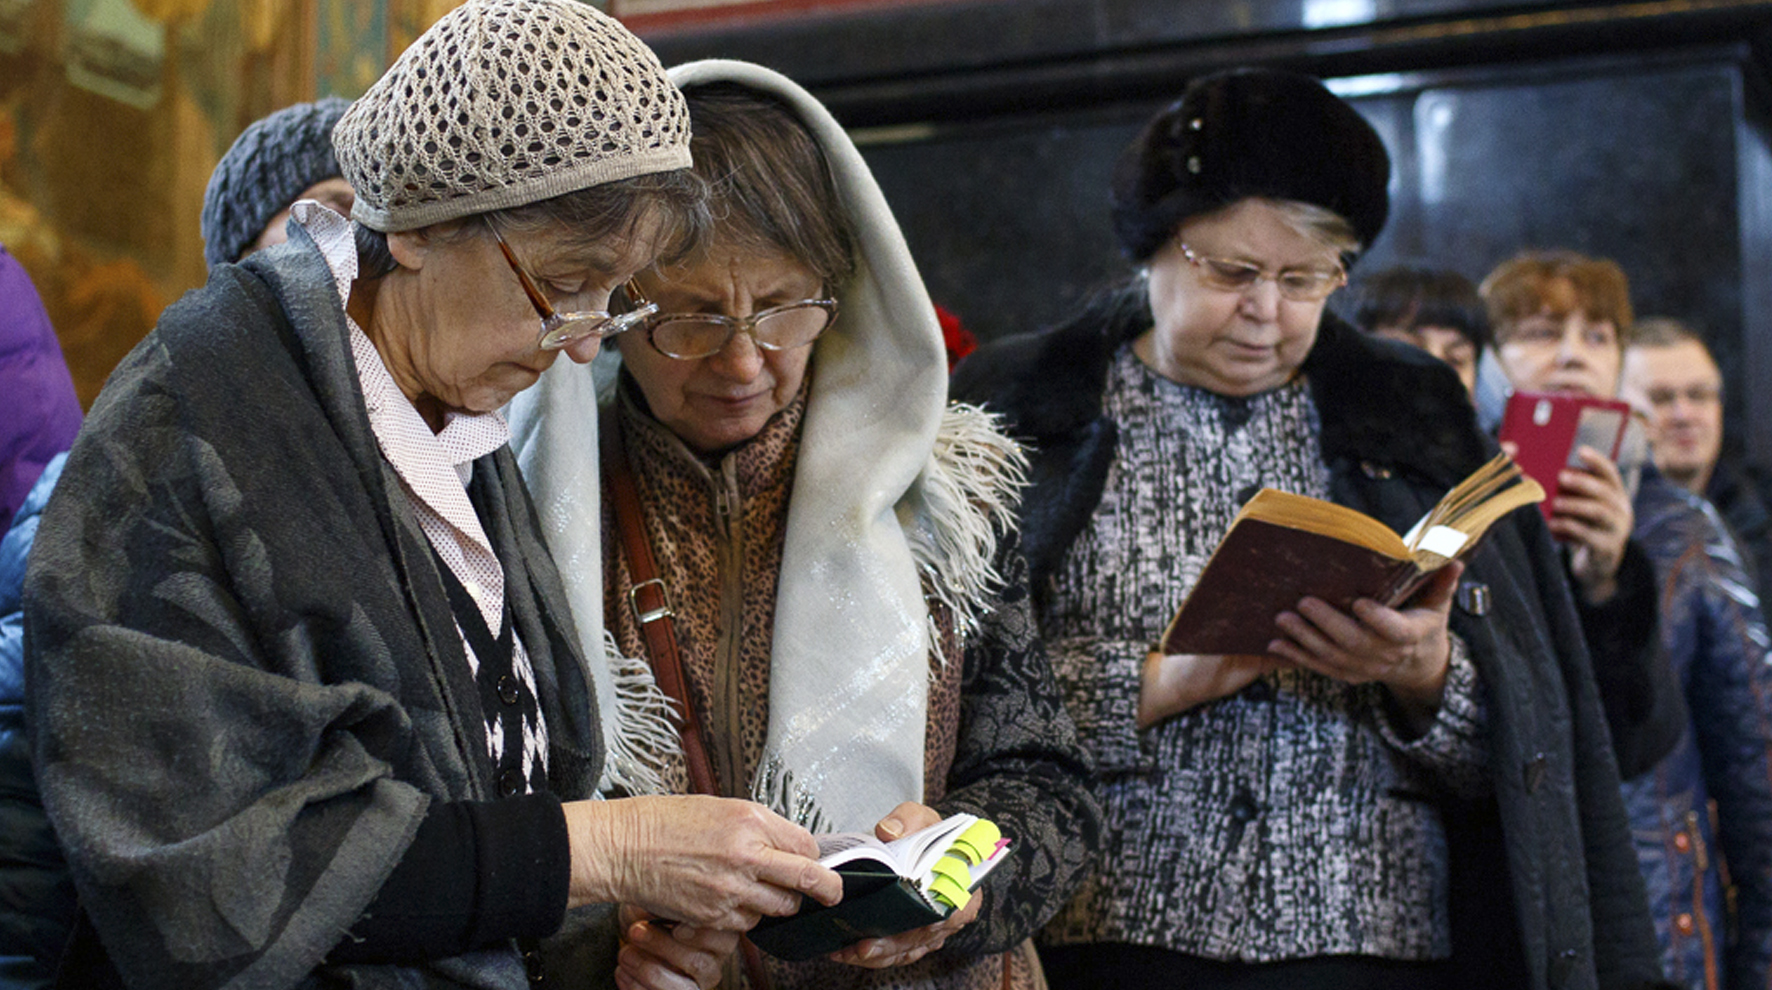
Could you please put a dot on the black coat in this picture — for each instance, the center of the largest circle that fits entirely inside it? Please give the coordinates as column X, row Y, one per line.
column 1397, row 432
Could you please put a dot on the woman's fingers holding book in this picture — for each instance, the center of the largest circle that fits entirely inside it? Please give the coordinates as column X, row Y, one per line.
column 908, row 817
column 712, row 862
column 660, row 956
column 908, row 947
column 1407, row 650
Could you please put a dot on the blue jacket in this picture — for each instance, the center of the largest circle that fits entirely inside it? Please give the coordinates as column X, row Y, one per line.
column 36, row 893
column 1717, row 642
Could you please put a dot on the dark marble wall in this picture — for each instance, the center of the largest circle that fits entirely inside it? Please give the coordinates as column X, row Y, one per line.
column 1626, row 130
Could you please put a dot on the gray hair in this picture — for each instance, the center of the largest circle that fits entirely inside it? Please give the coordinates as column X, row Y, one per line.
column 771, row 187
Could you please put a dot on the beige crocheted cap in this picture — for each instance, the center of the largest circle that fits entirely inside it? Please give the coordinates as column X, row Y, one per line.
column 503, row 103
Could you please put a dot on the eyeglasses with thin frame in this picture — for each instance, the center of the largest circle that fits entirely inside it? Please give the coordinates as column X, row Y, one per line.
column 688, row 336
column 1296, row 284
column 562, row 329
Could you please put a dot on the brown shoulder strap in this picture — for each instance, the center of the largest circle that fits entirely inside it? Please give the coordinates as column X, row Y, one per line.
column 652, row 606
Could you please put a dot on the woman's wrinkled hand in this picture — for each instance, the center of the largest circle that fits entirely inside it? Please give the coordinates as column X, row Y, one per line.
column 1407, row 650
column 1173, row 683
column 907, row 947
column 659, row 955
column 710, row 862
column 1592, row 514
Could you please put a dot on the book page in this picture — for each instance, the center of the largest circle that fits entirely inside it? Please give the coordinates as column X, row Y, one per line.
column 1316, row 516
column 837, row 848
column 919, row 850
column 908, row 856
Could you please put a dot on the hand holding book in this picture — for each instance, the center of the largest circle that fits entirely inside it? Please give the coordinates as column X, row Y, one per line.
column 1317, row 585
column 1407, row 649
column 902, row 898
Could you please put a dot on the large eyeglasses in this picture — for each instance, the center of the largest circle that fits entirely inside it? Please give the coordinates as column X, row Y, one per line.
column 1296, row 284
column 687, row 336
column 561, row 329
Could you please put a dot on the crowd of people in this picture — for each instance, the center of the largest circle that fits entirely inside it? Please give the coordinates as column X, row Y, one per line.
column 353, row 639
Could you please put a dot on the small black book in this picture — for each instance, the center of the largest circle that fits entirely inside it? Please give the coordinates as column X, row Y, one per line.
column 888, row 887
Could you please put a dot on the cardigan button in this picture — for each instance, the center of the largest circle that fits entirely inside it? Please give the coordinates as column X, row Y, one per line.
column 1473, row 598
column 1682, row 843
column 1243, row 807
column 1563, row 967
column 507, row 689
column 533, row 966
column 1535, row 771
column 1684, row 924
column 510, row 783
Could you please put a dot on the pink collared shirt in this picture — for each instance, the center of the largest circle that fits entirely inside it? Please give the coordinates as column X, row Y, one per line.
column 434, row 471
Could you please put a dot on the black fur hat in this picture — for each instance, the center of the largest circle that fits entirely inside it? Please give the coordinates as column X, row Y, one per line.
column 1249, row 132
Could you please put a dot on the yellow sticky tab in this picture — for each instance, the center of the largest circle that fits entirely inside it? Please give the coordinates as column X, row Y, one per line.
column 981, row 838
column 966, row 851
column 946, row 890
column 954, row 869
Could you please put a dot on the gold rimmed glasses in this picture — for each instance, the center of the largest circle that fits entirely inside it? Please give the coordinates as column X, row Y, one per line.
column 562, row 329
column 687, row 336
column 1296, row 284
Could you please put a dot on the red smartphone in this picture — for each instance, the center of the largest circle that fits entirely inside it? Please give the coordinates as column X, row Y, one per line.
column 1547, row 428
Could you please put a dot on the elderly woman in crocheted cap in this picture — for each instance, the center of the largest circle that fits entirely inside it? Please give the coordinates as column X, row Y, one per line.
column 849, row 612
column 308, row 700
column 1418, row 796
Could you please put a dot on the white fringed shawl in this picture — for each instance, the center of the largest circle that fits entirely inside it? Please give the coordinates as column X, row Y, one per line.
column 894, row 493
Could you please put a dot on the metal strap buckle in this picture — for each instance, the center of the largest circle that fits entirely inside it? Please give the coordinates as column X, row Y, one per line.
column 663, row 611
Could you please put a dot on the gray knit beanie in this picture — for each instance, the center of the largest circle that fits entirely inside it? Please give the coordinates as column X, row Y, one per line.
column 265, row 169
column 503, row 103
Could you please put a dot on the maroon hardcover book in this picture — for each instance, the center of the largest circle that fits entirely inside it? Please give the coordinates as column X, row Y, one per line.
column 1262, row 569
column 1283, row 547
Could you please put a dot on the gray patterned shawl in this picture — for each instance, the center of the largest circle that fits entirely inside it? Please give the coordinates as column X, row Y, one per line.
column 244, row 675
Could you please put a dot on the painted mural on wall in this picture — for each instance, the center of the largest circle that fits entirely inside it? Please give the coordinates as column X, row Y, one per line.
column 644, row 16
column 113, row 113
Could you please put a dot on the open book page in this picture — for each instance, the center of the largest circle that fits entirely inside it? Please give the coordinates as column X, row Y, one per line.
column 974, row 842
column 888, row 887
column 1317, row 516
column 907, row 855
column 1468, row 510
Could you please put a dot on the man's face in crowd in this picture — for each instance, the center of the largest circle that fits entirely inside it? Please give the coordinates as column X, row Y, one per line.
column 1681, row 391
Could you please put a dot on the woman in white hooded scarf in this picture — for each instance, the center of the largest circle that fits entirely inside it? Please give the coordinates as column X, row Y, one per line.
column 833, row 538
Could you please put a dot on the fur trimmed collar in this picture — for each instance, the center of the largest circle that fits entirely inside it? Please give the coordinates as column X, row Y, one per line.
column 1380, row 401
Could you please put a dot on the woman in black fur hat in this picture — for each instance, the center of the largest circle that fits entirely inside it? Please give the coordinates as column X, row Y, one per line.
column 1414, row 797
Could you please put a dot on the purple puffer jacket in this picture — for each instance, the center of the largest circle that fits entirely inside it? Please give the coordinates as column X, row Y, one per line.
column 39, row 414
column 1716, row 639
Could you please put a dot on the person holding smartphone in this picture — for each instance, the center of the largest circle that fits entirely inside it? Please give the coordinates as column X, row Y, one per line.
column 1562, row 322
